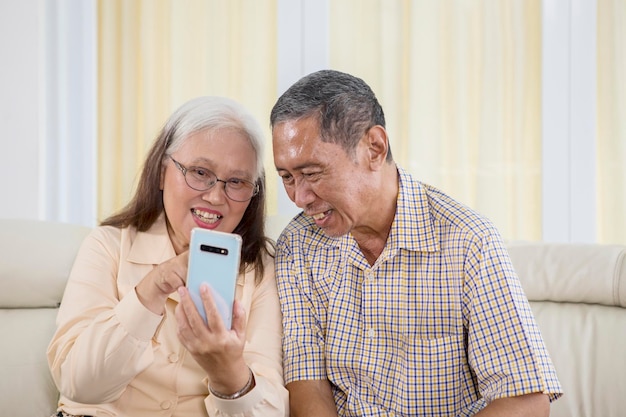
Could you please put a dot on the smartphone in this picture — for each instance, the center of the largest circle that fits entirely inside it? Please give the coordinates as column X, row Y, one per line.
column 214, row 259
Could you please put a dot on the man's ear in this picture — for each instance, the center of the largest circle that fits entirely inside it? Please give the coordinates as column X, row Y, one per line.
column 377, row 145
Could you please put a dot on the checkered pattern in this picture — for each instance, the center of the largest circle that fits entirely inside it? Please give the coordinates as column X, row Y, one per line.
column 438, row 326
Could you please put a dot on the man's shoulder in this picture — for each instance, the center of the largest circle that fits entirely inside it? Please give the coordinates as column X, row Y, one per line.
column 446, row 212
column 301, row 230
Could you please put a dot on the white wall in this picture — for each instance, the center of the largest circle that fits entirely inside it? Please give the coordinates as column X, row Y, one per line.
column 569, row 120
column 20, row 115
column 47, row 110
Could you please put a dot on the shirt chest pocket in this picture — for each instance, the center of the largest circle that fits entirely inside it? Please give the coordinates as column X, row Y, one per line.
column 429, row 376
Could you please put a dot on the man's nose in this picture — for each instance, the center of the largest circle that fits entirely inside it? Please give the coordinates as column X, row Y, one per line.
column 302, row 194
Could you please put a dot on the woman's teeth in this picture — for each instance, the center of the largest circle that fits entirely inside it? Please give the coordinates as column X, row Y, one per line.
column 205, row 216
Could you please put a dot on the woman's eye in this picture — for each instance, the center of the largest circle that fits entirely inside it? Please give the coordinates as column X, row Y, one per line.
column 200, row 172
column 236, row 183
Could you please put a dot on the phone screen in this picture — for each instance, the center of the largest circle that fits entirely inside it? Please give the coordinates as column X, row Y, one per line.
column 214, row 259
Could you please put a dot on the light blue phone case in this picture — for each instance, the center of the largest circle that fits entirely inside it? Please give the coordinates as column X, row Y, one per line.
column 214, row 259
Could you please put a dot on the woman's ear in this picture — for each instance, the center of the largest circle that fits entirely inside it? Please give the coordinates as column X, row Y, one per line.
column 378, row 145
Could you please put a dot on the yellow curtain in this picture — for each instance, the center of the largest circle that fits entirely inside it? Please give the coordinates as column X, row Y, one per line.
column 153, row 55
column 611, row 121
column 460, row 83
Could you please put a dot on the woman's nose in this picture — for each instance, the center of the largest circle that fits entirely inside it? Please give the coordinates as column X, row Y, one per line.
column 217, row 193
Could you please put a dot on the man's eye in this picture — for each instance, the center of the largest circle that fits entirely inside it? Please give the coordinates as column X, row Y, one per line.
column 310, row 175
column 287, row 178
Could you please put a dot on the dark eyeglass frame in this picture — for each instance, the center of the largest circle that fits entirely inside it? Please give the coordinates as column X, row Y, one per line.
column 183, row 169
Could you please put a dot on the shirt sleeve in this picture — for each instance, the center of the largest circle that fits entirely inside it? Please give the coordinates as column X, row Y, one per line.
column 262, row 353
column 505, row 347
column 303, row 337
column 101, row 342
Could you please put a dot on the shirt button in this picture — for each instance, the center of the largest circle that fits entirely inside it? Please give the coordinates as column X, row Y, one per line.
column 165, row 405
column 371, row 333
column 173, row 357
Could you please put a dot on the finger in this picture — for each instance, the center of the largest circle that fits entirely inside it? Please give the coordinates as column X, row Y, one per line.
column 212, row 304
column 239, row 318
column 181, row 318
column 193, row 320
column 184, row 331
column 183, row 261
column 170, row 275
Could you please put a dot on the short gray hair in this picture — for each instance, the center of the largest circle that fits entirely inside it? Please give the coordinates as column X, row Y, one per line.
column 213, row 112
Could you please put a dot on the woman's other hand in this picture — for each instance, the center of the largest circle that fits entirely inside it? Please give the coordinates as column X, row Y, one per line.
column 163, row 280
column 218, row 350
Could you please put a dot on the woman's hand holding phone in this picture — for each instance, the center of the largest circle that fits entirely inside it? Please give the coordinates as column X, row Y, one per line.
column 211, row 323
column 154, row 289
column 218, row 350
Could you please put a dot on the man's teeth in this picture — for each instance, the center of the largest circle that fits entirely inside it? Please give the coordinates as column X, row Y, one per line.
column 319, row 216
column 205, row 216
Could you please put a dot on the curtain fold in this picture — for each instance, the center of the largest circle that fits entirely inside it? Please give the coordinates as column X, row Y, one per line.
column 153, row 55
column 460, row 85
column 611, row 121
column 459, row 80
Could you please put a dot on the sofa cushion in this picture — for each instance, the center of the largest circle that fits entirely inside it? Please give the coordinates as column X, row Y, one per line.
column 26, row 386
column 36, row 260
column 586, row 344
column 583, row 273
column 34, row 252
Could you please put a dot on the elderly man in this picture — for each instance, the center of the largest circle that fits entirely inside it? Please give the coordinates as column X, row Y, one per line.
column 397, row 300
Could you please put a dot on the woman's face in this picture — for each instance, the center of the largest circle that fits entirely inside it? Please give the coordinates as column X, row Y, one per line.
column 229, row 155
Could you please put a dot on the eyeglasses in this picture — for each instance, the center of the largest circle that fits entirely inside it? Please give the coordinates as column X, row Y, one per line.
column 201, row 179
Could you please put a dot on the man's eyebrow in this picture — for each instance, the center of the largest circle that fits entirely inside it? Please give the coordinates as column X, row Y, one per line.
column 300, row 167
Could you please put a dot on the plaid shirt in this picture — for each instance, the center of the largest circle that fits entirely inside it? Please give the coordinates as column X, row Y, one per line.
column 438, row 326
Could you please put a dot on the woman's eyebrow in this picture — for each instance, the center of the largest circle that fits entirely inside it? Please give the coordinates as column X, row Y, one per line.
column 203, row 162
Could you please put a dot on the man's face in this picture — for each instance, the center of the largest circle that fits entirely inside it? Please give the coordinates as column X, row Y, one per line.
column 320, row 177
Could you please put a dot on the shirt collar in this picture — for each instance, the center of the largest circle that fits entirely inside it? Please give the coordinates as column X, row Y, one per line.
column 413, row 226
column 152, row 246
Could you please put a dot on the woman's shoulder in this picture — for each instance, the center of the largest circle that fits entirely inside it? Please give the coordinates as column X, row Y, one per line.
column 109, row 238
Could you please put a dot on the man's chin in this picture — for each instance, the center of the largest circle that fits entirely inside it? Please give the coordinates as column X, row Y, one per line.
column 334, row 232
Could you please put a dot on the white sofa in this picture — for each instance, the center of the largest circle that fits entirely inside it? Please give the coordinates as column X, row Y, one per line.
column 577, row 292
column 36, row 261
column 578, row 295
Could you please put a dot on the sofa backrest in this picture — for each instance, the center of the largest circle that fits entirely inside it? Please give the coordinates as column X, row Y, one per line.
column 36, row 260
column 578, row 295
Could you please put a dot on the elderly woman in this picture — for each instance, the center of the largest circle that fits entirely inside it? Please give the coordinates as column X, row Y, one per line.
column 130, row 341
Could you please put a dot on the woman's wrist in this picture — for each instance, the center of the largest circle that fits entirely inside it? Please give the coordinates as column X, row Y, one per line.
column 238, row 394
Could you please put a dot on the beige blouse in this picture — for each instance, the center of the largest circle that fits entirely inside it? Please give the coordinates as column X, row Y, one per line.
column 110, row 356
